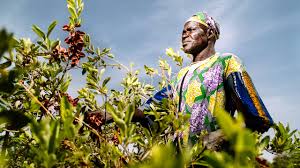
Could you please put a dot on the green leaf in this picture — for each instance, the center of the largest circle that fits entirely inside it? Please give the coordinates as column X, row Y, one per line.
column 264, row 142
column 48, row 42
column 65, row 84
column 79, row 2
column 281, row 128
column 51, row 27
column 120, row 122
column 225, row 121
column 106, row 81
column 65, row 108
column 101, row 73
column 72, row 22
column 91, row 83
column 35, row 49
column 83, row 71
column 38, row 31
column 111, row 110
column 72, row 11
column 163, row 64
column 34, row 106
column 175, row 56
column 71, row 3
column 110, row 55
column 150, row 71
column 98, row 51
column 6, row 42
column 129, row 114
column 244, row 142
column 132, row 128
column 54, row 44
column 179, row 60
column 42, row 45
column 8, row 80
column 170, row 52
column 292, row 133
column 54, row 136
column 5, row 65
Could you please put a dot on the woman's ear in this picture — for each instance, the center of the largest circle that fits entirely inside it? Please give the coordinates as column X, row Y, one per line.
column 210, row 34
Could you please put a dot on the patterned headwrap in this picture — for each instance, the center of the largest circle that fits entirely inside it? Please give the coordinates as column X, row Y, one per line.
column 208, row 21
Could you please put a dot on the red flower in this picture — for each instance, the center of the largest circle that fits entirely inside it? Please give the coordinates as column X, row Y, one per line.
column 81, row 54
column 75, row 40
column 68, row 40
column 66, row 28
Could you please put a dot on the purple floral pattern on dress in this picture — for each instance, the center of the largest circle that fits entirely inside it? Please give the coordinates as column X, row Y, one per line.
column 213, row 77
column 199, row 112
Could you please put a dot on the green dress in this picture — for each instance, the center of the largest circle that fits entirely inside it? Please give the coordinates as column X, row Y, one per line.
column 218, row 82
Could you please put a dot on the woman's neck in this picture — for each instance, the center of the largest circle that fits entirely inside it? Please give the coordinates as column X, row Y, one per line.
column 206, row 53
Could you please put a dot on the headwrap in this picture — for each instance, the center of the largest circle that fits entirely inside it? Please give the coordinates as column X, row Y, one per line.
column 208, row 21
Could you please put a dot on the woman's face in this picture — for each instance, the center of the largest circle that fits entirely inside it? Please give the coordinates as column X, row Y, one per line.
column 194, row 38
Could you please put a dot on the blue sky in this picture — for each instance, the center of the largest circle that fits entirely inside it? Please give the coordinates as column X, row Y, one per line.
column 264, row 34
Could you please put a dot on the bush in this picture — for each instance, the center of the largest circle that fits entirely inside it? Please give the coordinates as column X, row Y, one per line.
column 43, row 126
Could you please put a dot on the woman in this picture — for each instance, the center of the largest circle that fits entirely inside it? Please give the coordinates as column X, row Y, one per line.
column 212, row 81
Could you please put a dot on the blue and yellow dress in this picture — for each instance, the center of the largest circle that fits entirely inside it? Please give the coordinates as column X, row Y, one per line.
column 218, row 82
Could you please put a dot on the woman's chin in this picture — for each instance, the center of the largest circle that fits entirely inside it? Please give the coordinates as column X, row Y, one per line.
column 186, row 50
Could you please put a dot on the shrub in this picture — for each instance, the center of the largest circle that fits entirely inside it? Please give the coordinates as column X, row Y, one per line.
column 43, row 126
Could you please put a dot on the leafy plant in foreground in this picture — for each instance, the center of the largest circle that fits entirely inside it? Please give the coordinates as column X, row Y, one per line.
column 41, row 125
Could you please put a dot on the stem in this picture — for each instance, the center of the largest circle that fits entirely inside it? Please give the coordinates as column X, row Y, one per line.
column 93, row 130
column 60, row 80
column 122, row 65
column 105, row 117
column 36, row 100
column 42, row 54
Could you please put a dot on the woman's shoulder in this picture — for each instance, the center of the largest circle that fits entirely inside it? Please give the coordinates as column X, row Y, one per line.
column 232, row 63
column 228, row 56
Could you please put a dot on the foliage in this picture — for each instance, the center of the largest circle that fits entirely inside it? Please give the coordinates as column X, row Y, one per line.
column 41, row 125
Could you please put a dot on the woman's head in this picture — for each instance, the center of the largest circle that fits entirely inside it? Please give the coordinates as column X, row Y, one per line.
column 198, row 31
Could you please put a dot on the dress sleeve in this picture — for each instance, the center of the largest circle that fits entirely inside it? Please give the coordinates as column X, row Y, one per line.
column 149, row 120
column 244, row 96
column 164, row 93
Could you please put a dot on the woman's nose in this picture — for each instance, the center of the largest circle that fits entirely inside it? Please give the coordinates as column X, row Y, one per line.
column 185, row 34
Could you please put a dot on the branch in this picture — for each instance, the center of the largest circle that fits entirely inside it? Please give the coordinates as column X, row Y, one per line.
column 36, row 100
column 122, row 65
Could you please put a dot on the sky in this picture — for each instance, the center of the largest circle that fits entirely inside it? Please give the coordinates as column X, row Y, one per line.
column 265, row 34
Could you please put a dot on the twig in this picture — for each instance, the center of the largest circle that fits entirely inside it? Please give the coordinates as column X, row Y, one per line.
column 271, row 152
column 36, row 100
column 60, row 80
column 122, row 65
column 90, row 127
